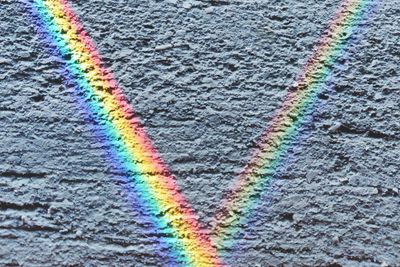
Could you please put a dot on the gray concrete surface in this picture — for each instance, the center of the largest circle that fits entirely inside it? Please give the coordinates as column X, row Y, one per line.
column 204, row 103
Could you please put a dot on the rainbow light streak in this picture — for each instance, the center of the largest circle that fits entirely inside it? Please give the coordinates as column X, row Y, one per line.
column 285, row 124
column 130, row 144
column 114, row 156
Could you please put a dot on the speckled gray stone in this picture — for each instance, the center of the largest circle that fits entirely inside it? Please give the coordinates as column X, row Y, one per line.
column 205, row 78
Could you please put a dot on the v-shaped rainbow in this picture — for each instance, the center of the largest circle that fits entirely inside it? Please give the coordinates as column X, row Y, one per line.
column 285, row 124
column 96, row 87
column 136, row 153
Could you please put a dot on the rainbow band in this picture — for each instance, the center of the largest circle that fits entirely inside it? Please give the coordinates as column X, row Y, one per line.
column 285, row 123
column 135, row 150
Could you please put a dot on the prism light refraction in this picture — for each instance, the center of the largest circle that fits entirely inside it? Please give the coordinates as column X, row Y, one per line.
column 135, row 150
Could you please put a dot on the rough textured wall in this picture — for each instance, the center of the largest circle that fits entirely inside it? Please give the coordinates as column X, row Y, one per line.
column 205, row 78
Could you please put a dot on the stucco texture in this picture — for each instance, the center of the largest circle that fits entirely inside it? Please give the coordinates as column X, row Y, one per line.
column 204, row 77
